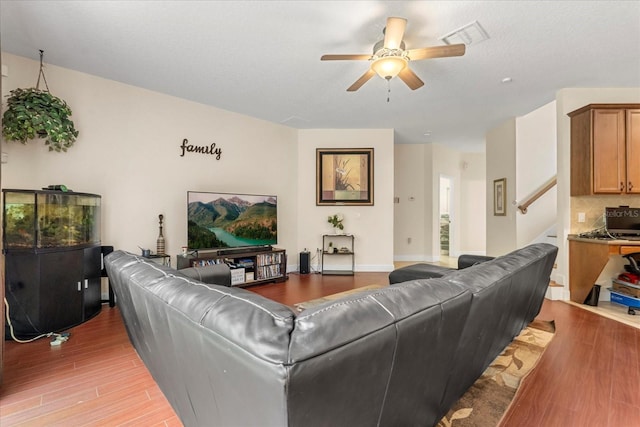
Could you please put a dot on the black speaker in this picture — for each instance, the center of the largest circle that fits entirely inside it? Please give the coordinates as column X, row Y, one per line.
column 304, row 262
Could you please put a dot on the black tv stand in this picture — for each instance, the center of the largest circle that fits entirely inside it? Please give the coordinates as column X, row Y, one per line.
column 250, row 265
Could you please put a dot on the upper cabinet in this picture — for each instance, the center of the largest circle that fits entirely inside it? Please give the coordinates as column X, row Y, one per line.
column 605, row 149
column 633, row 150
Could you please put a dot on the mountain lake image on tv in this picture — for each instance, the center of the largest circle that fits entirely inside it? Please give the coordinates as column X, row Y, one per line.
column 225, row 220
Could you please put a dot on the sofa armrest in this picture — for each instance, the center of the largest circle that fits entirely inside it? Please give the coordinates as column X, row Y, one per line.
column 218, row 274
column 465, row 261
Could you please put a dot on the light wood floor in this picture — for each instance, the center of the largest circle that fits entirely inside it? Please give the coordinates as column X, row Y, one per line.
column 588, row 376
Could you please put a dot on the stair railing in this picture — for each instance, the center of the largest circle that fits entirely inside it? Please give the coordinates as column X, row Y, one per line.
column 535, row 196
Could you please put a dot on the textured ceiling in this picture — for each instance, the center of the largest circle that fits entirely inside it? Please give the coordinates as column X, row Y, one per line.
column 262, row 58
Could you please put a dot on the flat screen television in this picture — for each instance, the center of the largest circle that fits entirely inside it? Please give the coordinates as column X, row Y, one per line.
column 228, row 220
column 622, row 221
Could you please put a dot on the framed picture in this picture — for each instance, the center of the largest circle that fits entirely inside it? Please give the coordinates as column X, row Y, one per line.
column 344, row 176
column 500, row 197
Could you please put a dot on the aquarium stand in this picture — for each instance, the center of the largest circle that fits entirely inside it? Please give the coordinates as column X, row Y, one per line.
column 53, row 260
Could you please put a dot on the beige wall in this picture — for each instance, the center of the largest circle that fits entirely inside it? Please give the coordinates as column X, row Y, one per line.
column 413, row 201
column 418, row 168
column 523, row 150
column 535, row 166
column 501, row 163
column 473, row 193
column 129, row 151
column 372, row 226
column 446, row 163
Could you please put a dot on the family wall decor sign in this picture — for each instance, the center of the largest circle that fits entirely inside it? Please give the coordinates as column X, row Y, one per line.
column 211, row 149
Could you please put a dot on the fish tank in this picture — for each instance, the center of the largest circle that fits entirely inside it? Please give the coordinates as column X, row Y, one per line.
column 41, row 219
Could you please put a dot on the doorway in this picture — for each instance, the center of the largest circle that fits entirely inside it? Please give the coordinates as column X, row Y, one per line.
column 445, row 214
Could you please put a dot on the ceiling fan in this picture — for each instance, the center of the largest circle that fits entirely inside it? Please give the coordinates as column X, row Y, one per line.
column 390, row 59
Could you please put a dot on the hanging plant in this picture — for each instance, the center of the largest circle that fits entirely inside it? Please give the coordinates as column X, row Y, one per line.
column 35, row 113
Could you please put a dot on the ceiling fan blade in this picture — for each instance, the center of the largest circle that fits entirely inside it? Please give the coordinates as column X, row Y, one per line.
column 362, row 80
column 410, row 78
column 345, row 57
column 437, row 52
column 393, row 32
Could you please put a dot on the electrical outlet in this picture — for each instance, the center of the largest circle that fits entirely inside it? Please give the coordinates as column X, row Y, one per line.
column 581, row 217
column 409, row 240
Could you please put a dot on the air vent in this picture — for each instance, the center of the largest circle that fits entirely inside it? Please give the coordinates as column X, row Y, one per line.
column 469, row 34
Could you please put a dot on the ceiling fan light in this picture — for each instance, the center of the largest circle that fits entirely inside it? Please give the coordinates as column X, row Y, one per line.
column 389, row 66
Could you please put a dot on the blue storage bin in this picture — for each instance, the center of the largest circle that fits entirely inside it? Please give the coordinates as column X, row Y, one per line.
column 624, row 299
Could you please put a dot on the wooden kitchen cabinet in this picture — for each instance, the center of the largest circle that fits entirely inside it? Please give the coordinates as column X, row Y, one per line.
column 633, row 151
column 605, row 149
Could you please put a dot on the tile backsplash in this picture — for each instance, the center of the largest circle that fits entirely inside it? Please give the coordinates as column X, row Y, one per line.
column 593, row 208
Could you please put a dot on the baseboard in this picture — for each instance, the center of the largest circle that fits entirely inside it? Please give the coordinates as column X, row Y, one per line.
column 556, row 293
column 416, row 258
column 363, row 268
column 374, row 268
column 558, row 278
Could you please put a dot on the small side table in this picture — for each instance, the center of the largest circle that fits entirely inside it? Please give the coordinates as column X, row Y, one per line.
column 342, row 252
column 163, row 259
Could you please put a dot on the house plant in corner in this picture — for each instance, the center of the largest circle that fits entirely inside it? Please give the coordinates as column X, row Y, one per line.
column 35, row 113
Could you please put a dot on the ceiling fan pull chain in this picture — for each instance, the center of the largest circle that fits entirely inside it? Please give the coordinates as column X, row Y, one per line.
column 388, row 89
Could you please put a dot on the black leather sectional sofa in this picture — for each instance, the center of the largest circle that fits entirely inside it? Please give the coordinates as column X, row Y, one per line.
column 396, row 356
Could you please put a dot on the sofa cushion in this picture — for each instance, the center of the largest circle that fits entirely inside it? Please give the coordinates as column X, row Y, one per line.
column 210, row 348
column 507, row 294
column 259, row 325
column 416, row 272
column 218, row 274
column 362, row 355
column 466, row 260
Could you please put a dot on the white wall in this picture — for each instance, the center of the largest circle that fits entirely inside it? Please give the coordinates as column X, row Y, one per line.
column 522, row 150
column 409, row 213
column 128, row 152
column 472, row 215
column 372, row 226
column 418, row 168
column 446, row 162
column 536, row 143
column 501, row 163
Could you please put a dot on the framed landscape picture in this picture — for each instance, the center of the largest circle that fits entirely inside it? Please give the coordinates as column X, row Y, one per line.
column 500, row 197
column 344, row 176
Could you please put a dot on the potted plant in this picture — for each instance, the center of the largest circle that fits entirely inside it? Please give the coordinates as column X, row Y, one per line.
column 336, row 222
column 35, row 113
